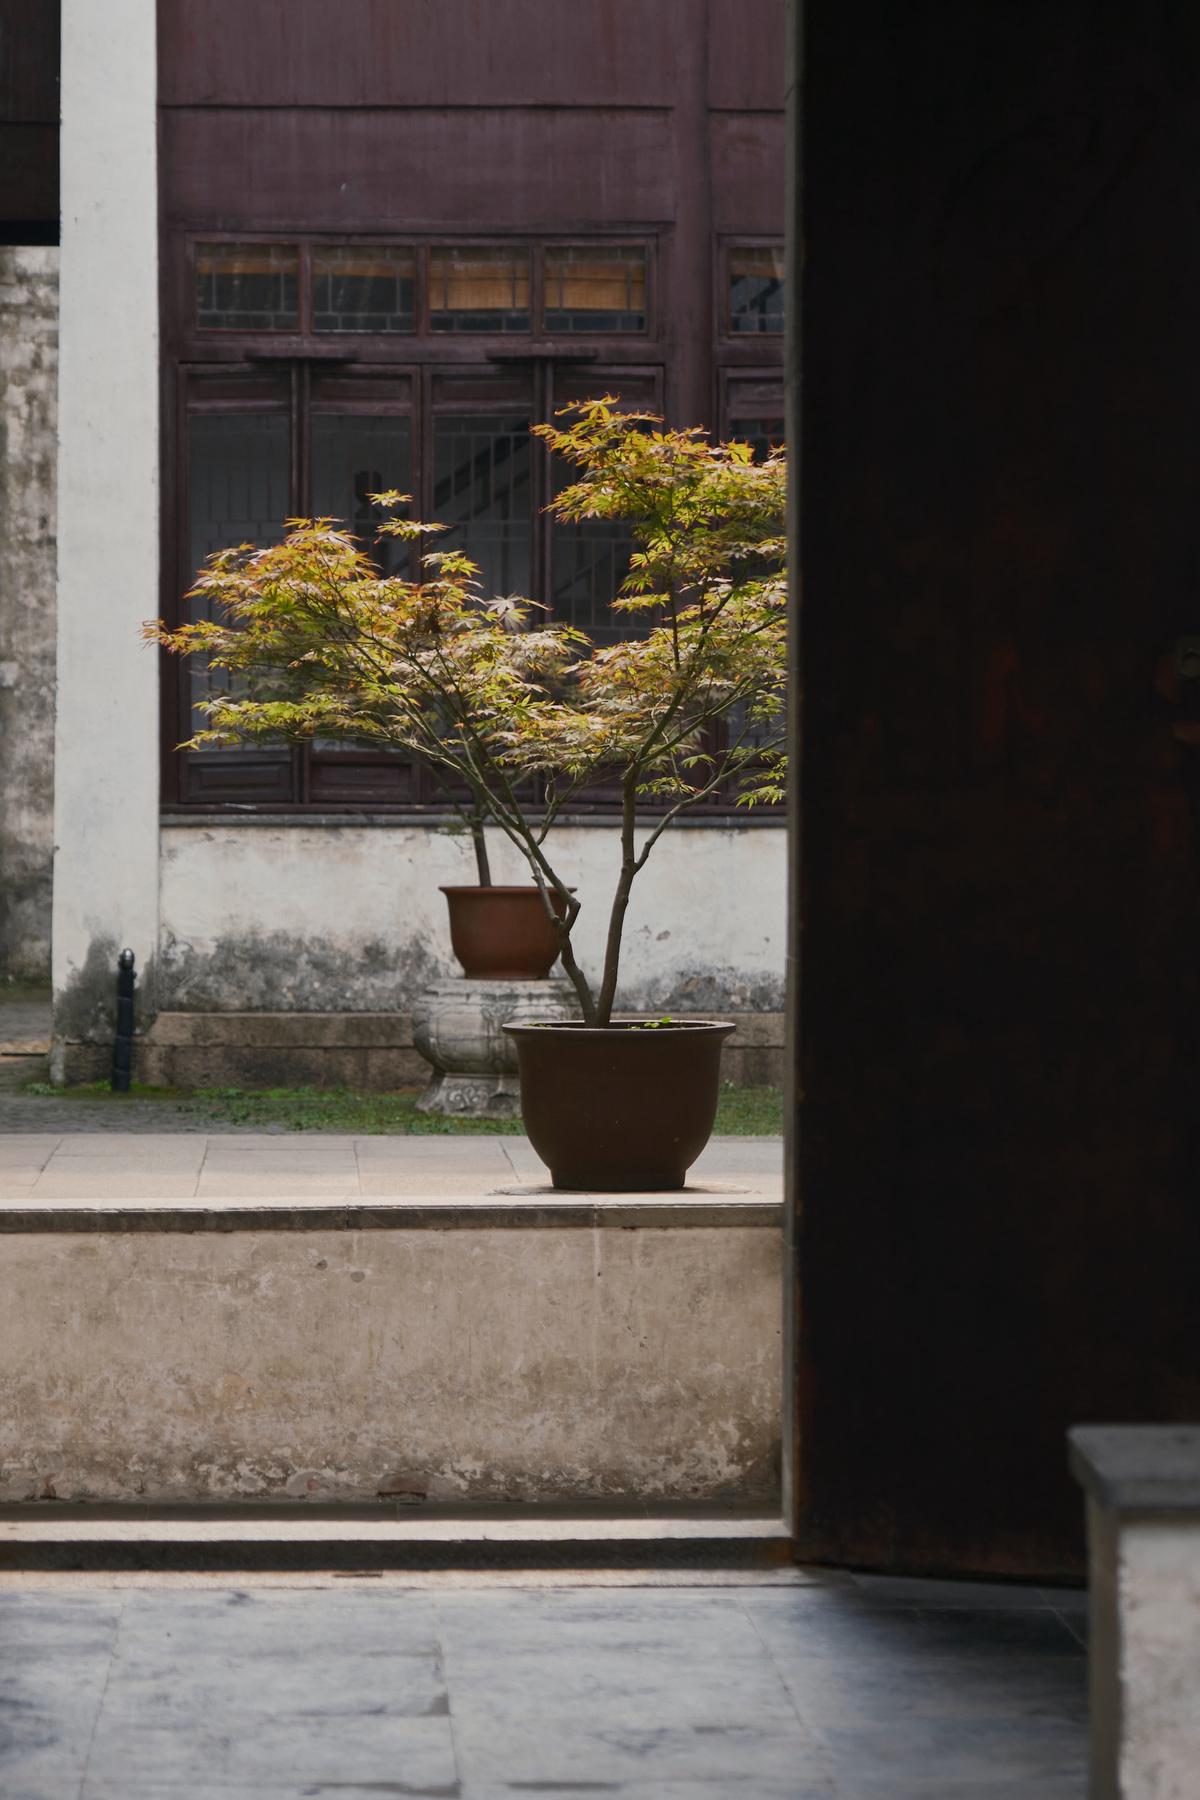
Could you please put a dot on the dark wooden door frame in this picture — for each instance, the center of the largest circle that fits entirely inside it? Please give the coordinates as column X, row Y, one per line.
column 995, row 847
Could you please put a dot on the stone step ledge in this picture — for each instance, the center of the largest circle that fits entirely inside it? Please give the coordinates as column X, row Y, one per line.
column 363, row 1541
column 705, row 1208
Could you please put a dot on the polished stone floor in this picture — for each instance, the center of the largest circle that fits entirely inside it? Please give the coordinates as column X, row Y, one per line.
column 470, row 1687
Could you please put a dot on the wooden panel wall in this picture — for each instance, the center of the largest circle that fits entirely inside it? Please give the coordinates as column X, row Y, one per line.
column 746, row 53
column 345, row 169
column 486, row 115
column 748, row 151
column 423, row 53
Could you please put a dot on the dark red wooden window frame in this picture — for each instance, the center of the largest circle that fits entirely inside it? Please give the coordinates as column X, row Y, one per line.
column 305, row 781
column 182, row 297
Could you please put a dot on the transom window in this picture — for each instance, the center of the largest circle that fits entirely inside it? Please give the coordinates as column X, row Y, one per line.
column 479, row 290
column 754, row 289
column 589, row 288
column 544, row 289
column 372, row 289
column 247, row 287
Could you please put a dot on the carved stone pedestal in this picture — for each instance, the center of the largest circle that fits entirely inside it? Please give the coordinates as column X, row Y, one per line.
column 457, row 1028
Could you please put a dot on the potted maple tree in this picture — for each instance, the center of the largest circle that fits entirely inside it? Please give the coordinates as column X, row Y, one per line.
column 523, row 714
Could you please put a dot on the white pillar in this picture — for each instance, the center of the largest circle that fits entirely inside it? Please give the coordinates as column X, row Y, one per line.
column 106, row 733
column 1143, row 1489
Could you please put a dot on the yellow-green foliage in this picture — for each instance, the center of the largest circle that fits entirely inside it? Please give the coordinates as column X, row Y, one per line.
column 488, row 693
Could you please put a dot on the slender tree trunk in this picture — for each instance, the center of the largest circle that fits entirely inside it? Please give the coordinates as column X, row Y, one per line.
column 562, row 924
column 576, row 976
column 482, row 866
column 616, row 918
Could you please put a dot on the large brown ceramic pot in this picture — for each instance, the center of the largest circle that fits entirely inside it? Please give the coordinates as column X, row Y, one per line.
column 502, row 933
column 624, row 1109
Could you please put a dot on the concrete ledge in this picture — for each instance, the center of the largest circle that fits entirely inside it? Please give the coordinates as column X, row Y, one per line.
column 371, row 1051
column 363, row 1539
column 507, row 1349
column 436, row 818
column 1139, row 1468
column 543, row 1210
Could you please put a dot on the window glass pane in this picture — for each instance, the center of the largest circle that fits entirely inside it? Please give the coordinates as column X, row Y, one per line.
column 482, row 489
column 756, row 290
column 590, row 561
column 479, row 290
column 363, row 289
column 351, row 458
column 247, row 287
column 589, row 288
column 237, row 494
column 237, row 480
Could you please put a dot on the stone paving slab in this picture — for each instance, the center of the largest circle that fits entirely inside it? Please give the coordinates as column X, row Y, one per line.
column 298, row 1169
column 476, row 1688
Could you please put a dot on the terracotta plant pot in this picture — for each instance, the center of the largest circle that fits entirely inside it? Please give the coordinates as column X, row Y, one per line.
column 501, row 933
column 623, row 1109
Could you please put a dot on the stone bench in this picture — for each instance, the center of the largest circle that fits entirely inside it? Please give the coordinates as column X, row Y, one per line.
column 1143, row 1498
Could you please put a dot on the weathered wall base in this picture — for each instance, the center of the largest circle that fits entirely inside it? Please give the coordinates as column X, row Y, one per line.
column 348, row 917
column 368, row 1051
column 508, row 1358
column 373, row 1052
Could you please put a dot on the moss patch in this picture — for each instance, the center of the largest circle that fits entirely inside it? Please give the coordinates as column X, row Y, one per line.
column 743, row 1112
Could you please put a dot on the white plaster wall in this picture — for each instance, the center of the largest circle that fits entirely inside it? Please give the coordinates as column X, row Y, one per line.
column 349, row 917
column 106, row 746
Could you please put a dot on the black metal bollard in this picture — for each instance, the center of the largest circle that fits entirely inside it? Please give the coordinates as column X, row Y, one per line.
column 122, row 1068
